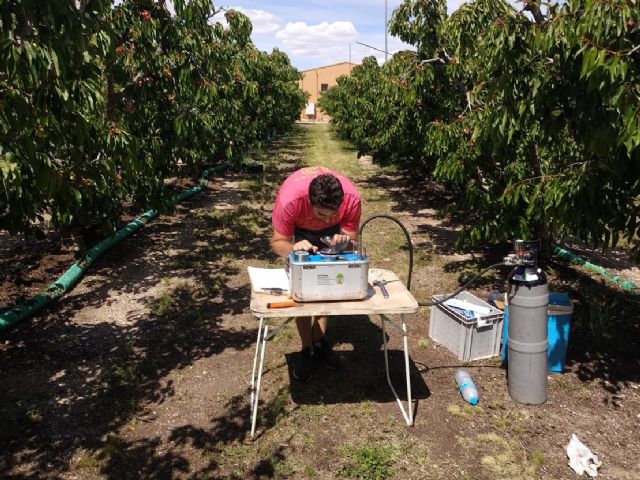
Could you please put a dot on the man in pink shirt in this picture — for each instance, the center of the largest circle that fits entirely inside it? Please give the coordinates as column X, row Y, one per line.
column 314, row 202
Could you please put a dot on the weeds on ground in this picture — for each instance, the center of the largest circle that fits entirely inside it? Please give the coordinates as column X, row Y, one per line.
column 513, row 421
column 502, row 457
column 369, row 462
column 309, row 472
column 18, row 415
column 244, row 220
column 276, row 409
column 180, row 306
column 232, row 458
column 465, row 411
column 119, row 385
column 87, row 461
column 314, row 412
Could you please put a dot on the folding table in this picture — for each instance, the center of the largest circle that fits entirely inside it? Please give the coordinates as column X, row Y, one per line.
column 400, row 302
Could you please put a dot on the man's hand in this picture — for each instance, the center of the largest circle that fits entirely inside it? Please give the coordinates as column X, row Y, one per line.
column 338, row 243
column 304, row 245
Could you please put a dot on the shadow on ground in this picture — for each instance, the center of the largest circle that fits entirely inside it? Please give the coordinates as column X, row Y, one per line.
column 362, row 376
column 77, row 373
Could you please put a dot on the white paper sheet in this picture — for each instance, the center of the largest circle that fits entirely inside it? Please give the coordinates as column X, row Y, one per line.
column 264, row 278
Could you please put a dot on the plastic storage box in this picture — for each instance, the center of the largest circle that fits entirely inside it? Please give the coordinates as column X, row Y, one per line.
column 468, row 338
column 559, row 324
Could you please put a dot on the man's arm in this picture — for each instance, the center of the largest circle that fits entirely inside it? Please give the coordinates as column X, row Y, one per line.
column 283, row 246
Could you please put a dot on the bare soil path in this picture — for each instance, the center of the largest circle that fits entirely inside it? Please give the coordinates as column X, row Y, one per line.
column 142, row 370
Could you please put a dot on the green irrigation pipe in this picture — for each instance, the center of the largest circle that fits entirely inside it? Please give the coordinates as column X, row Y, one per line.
column 58, row 288
column 573, row 258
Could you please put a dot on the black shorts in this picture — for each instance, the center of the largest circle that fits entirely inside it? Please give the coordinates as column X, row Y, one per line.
column 314, row 236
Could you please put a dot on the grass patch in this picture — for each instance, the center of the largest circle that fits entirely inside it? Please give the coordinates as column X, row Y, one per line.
column 563, row 381
column 309, row 472
column 161, row 305
column 119, row 386
column 538, row 459
column 116, row 453
column 465, row 410
column 275, row 409
column 369, row 462
column 285, row 334
column 497, row 405
column 368, row 409
column 180, row 306
column 244, row 221
column 514, row 421
column 234, row 458
column 313, row 412
column 87, row 461
column 18, row 415
column 584, row 394
column 504, row 458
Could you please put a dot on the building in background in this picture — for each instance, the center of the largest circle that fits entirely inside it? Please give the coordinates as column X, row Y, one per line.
column 315, row 82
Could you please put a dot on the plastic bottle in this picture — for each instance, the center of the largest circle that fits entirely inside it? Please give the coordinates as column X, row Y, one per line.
column 467, row 388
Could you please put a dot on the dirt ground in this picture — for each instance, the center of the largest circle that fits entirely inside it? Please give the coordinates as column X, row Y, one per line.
column 143, row 370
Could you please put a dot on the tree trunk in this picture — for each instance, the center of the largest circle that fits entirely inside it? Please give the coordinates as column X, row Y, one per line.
column 541, row 227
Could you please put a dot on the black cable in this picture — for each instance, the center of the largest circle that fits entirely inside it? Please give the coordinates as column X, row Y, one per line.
column 482, row 272
column 410, row 244
column 406, row 233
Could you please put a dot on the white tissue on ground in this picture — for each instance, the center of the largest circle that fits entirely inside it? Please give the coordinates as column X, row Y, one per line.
column 581, row 459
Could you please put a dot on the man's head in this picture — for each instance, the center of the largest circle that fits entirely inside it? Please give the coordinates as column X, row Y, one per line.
column 325, row 195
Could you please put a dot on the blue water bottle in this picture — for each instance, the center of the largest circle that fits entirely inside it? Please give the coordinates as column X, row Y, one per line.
column 467, row 388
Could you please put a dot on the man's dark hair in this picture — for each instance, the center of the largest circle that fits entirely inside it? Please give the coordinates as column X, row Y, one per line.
column 325, row 191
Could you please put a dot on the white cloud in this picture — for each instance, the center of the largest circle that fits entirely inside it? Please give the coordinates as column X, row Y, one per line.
column 263, row 22
column 453, row 5
column 319, row 41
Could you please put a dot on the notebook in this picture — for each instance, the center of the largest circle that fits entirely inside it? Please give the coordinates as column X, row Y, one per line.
column 267, row 278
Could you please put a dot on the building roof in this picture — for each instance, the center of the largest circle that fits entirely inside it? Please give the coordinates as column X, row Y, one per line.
column 327, row 66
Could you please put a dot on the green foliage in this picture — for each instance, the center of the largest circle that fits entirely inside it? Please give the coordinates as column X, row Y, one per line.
column 534, row 118
column 100, row 104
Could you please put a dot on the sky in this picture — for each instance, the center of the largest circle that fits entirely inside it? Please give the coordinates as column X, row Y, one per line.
column 314, row 33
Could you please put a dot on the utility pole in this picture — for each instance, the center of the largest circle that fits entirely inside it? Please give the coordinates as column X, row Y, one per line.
column 385, row 31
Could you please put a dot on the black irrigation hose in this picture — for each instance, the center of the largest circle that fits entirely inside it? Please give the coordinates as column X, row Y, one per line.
column 410, row 245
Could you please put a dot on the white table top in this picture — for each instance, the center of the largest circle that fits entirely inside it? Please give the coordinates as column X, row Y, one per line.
column 400, row 301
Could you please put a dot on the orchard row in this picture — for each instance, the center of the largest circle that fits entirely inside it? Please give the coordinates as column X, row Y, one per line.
column 531, row 115
column 99, row 105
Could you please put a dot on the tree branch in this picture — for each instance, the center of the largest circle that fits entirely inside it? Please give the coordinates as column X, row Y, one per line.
column 534, row 9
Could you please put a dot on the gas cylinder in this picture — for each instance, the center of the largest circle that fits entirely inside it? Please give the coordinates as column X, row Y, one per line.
column 528, row 300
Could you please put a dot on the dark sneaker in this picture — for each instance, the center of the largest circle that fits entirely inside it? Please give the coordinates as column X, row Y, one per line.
column 304, row 363
column 327, row 355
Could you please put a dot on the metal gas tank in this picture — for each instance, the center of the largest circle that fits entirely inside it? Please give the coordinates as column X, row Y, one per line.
column 528, row 343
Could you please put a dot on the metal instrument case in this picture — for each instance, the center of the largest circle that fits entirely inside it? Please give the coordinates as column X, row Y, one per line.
column 321, row 278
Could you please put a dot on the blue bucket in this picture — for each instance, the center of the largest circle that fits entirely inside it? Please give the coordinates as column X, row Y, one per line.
column 559, row 325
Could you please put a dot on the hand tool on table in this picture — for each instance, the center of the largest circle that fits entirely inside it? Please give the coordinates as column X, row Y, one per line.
column 381, row 284
column 290, row 303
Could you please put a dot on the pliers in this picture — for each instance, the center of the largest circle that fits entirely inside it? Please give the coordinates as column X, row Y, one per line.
column 275, row 291
column 381, row 284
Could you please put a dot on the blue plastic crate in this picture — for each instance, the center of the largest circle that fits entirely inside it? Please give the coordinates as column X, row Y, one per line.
column 559, row 324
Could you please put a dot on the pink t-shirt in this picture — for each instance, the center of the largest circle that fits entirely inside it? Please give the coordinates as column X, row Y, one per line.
column 293, row 208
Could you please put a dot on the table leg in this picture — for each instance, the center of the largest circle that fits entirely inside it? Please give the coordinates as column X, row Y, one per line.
column 255, row 364
column 261, row 344
column 408, row 417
